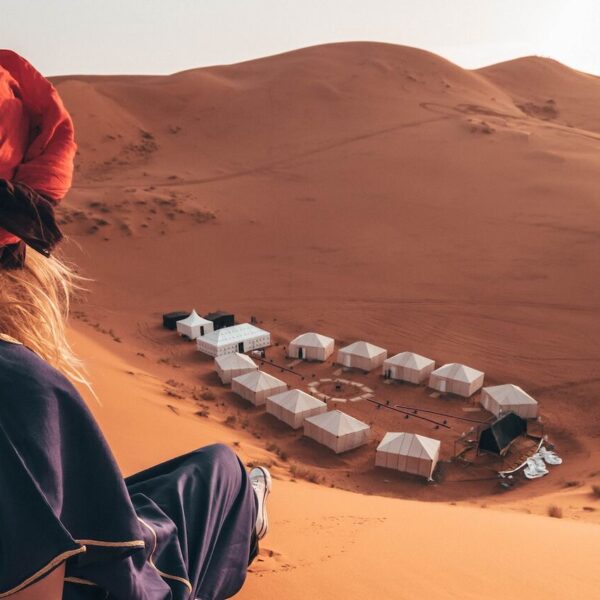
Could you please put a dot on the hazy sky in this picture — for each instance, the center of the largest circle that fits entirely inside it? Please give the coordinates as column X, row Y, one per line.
column 164, row 36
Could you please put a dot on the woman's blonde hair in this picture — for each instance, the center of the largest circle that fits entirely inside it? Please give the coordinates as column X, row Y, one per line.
column 34, row 307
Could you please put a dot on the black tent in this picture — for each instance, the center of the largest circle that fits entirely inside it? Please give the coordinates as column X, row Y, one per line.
column 498, row 436
column 170, row 319
column 221, row 319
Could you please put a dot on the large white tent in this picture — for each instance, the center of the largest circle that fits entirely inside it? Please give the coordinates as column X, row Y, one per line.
column 229, row 366
column 293, row 406
column 408, row 452
column 408, row 366
column 501, row 399
column 257, row 386
column 194, row 326
column 337, row 431
column 455, row 378
column 311, row 346
column 229, row 340
column 361, row 355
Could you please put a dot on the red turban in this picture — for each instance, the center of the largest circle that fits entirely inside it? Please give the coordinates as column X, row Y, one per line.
column 37, row 149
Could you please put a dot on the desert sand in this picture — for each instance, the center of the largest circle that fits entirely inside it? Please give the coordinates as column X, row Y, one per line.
column 366, row 191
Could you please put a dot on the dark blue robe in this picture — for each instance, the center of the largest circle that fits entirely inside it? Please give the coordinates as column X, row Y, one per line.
column 183, row 529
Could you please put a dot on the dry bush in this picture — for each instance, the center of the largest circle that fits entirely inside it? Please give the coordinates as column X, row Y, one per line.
column 203, row 412
column 596, row 490
column 231, row 420
column 572, row 483
column 207, row 395
column 299, row 472
column 555, row 511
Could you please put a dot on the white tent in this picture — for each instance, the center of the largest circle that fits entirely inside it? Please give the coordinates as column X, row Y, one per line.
column 256, row 386
column 361, row 355
column 408, row 366
column 501, row 399
column 408, row 452
column 194, row 326
column 455, row 378
column 311, row 346
column 229, row 340
column 229, row 366
column 337, row 431
column 293, row 406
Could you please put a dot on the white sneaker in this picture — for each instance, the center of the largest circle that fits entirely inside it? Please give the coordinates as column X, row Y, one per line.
column 261, row 481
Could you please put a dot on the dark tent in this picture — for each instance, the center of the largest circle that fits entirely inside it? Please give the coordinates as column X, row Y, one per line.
column 221, row 319
column 502, row 433
column 170, row 319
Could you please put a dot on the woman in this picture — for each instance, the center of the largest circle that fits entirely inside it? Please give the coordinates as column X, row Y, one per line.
column 70, row 526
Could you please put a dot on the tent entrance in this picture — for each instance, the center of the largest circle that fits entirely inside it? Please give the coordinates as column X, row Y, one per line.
column 442, row 388
column 300, row 352
column 201, row 330
column 241, row 347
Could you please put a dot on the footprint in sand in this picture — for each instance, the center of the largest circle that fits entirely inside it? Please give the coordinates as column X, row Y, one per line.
column 270, row 561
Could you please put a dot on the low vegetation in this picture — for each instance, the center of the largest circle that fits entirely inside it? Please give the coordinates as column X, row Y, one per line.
column 555, row 511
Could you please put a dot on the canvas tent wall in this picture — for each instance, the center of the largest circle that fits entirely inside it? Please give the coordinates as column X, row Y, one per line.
column 501, row 399
column 311, row 346
column 229, row 340
column 194, row 326
column 408, row 366
column 408, row 452
column 229, row 366
column 293, row 406
column 170, row 319
column 221, row 319
column 455, row 378
column 337, row 431
column 497, row 437
column 257, row 386
column 361, row 355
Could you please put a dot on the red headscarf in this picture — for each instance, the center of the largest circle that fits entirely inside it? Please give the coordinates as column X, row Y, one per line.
column 37, row 144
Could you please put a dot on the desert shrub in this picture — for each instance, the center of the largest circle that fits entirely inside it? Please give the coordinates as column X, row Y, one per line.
column 207, row 395
column 596, row 490
column 231, row 420
column 572, row 483
column 299, row 472
column 555, row 511
column 204, row 412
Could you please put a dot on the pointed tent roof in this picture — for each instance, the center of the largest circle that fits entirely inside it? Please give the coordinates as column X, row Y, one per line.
column 410, row 360
column 194, row 320
column 458, row 372
column 409, row 444
column 235, row 361
column 338, row 423
column 509, row 394
column 315, row 340
column 258, row 380
column 363, row 349
column 296, row 401
column 229, row 335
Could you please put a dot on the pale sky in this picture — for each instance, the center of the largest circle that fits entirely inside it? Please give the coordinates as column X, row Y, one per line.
column 165, row 36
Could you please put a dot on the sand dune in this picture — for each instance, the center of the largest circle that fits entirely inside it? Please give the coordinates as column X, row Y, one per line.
column 368, row 191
